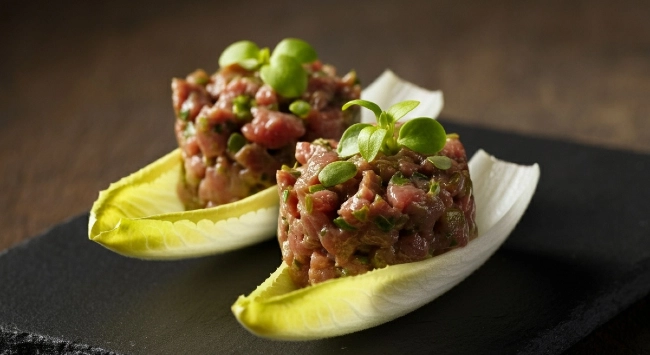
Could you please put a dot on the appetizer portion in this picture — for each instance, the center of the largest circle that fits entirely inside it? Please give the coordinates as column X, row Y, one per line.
column 143, row 216
column 279, row 309
column 346, row 216
column 238, row 126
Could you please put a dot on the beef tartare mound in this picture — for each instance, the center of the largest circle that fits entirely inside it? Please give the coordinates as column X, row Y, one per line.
column 238, row 126
column 397, row 208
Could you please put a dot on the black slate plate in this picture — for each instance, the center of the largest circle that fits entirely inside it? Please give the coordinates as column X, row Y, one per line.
column 579, row 256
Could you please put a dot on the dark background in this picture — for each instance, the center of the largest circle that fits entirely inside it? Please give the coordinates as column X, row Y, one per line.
column 85, row 86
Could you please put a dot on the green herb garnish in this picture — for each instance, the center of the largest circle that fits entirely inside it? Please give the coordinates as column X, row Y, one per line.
column 341, row 223
column 300, row 108
column 241, row 106
column 440, row 161
column 423, row 135
column 336, row 173
column 235, row 142
column 399, row 179
column 361, row 214
column 316, row 188
column 282, row 69
column 184, row 115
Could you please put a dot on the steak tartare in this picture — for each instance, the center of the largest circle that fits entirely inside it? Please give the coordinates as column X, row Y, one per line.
column 394, row 209
column 236, row 130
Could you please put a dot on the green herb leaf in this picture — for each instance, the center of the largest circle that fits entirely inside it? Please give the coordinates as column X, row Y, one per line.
column 423, row 135
column 399, row 179
column 383, row 223
column 341, row 223
column 239, row 52
column 370, row 142
column 241, row 106
column 300, row 50
column 316, row 188
column 184, row 115
column 336, row 173
column 309, row 203
column 440, row 161
column 285, row 195
column 361, row 214
column 235, row 142
column 300, row 108
column 364, row 103
column 348, row 145
column 400, row 109
column 285, row 75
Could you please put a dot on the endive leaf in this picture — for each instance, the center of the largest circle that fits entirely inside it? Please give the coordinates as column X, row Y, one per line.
column 142, row 216
column 276, row 309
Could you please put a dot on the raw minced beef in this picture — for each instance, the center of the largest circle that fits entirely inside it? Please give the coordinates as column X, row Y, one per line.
column 235, row 131
column 397, row 209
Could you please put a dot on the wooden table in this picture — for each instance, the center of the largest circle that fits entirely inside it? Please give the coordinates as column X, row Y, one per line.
column 85, row 86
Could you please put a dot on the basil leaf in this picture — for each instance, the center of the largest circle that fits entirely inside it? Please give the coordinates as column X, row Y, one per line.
column 423, row 135
column 285, row 75
column 370, row 141
column 348, row 145
column 239, row 52
column 364, row 103
column 300, row 50
column 336, row 173
column 400, row 109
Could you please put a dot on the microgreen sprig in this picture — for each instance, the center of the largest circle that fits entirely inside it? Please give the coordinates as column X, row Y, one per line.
column 423, row 135
column 282, row 69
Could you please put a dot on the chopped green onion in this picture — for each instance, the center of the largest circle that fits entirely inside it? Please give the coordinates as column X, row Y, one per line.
column 291, row 171
column 285, row 195
column 236, row 142
column 309, row 204
column 316, row 188
column 383, row 223
column 361, row 214
column 341, row 223
column 300, row 108
column 241, row 106
column 184, row 115
column 434, row 189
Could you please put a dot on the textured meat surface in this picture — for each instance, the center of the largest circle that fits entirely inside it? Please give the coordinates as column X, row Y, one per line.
column 234, row 102
column 397, row 209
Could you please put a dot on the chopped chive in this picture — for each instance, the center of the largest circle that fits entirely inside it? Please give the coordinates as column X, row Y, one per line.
column 291, row 171
column 341, row 223
column 285, row 195
column 420, row 176
column 241, row 106
column 383, row 223
column 316, row 188
column 309, row 204
column 300, row 108
column 236, row 142
column 361, row 214
column 434, row 189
